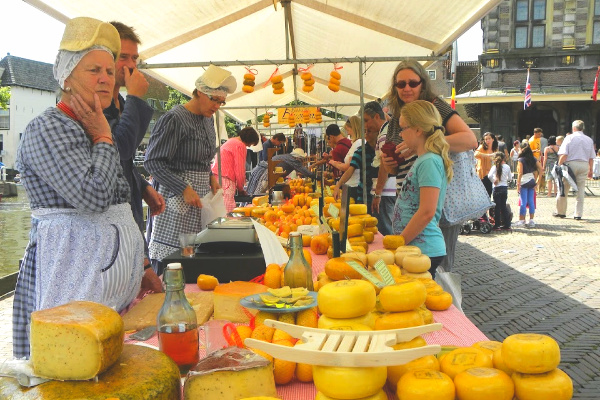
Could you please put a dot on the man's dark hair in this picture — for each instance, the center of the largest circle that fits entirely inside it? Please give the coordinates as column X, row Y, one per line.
column 279, row 136
column 126, row 32
column 333, row 130
column 372, row 108
column 249, row 136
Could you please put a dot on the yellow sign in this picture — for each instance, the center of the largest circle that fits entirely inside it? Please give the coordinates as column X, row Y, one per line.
column 285, row 114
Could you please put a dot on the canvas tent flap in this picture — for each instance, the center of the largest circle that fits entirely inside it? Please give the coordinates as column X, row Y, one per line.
column 194, row 31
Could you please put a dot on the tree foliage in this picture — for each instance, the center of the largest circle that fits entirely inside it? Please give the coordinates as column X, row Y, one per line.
column 4, row 97
column 175, row 98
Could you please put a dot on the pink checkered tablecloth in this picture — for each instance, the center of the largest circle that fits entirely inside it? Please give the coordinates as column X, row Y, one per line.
column 458, row 331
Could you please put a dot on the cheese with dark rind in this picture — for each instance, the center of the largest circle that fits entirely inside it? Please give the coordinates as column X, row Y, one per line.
column 230, row 374
column 75, row 341
column 140, row 373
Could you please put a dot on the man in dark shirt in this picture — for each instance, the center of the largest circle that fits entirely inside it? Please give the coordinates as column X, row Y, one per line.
column 341, row 144
column 128, row 123
column 277, row 140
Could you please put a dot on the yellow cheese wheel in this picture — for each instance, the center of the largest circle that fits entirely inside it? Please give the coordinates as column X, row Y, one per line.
column 371, row 229
column 530, row 353
column 139, row 373
column 398, row 320
column 355, row 230
column 346, row 298
column 249, row 77
column 248, row 89
column 276, row 79
column 392, row 242
column 385, row 255
column 404, row 296
column 280, row 91
column 349, row 382
column 425, row 384
column 499, row 363
column 75, row 341
column 369, row 236
column 370, row 222
column 438, row 300
column 334, row 74
column 334, row 81
column 484, row 383
column 489, row 346
column 463, row 358
column 381, row 395
column 416, row 264
column 338, row 268
column 367, row 320
column 411, row 344
column 421, row 275
column 395, row 372
column 426, row 314
column 356, row 209
column 403, row 251
column 360, row 257
column 307, row 88
column 555, row 385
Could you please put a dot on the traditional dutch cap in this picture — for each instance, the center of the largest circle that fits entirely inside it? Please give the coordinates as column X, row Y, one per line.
column 216, row 81
column 298, row 153
column 81, row 33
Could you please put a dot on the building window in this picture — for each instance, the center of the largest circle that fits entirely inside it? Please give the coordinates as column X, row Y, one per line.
column 568, row 60
column 152, row 103
column 530, row 27
column 432, row 74
column 151, row 125
column 4, row 119
column 163, row 104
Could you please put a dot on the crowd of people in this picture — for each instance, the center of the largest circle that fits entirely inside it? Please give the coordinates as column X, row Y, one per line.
column 76, row 162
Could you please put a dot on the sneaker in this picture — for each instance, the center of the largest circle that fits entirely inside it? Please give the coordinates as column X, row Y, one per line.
column 531, row 224
column 557, row 215
column 497, row 228
column 519, row 223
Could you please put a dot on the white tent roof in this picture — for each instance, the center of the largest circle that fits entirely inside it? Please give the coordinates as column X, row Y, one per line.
column 231, row 32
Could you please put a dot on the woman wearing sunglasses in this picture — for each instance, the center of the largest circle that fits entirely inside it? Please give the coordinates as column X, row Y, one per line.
column 411, row 82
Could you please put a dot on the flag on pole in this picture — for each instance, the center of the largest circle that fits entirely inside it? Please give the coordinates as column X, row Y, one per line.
column 453, row 98
column 595, row 91
column 527, row 102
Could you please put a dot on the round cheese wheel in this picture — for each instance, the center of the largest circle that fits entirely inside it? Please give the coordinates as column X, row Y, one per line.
column 425, row 384
column 352, row 324
column 307, row 88
column 403, row 251
column 337, row 269
column 416, row 264
column 555, row 385
column 422, row 275
column 403, row 296
column 463, row 358
column 426, row 314
column 489, row 346
column 349, row 382
column 531, row 353
column 484, row 383
column 381, row 395
column 438, row 300
column 360, row 257
column 279, row 91
column 276, row 79
column 139, row 373
column 398, row 320
column 381, row 254
column 392, row 242
column 346, row 298
column 499, row 363
column 370, row 222
column 356, row 209
column 335, row 74
column 395, row 372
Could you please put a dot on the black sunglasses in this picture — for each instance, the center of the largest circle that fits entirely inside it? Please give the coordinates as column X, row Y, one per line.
column 413, row 84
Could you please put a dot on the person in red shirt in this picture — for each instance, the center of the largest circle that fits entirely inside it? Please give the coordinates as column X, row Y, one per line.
column 341, row 144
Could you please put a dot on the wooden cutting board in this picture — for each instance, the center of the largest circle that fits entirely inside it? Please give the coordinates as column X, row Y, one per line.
column 145, row 312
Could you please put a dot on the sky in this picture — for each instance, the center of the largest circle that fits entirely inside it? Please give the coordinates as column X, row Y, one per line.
column 38, row 38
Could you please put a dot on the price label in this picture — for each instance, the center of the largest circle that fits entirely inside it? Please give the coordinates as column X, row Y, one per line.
column 333, row 210
column 348, row 246
column 315, row 208
column 324, row 223
column 368, row 276
column 328, row 191
column 384, row 272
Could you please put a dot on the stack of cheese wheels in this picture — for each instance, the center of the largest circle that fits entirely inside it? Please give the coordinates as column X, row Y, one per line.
column 277, row 84
column 395, row 372
column 266, row 119
column 346, row 304
column 334, row 81
column 400, row 304
column 534, row 358
column 318, row 117
column 360, row 238
column 308, row 82
column 248, row 86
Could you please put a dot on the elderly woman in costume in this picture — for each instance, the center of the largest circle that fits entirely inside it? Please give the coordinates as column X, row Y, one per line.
column 179, row 155
column 259, row 177
column 84, row 243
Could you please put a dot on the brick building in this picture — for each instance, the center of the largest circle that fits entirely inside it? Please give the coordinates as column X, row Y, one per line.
column 559, row 41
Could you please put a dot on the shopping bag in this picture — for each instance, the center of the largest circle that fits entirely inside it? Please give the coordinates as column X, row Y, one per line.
column 450, row 282
column 213, row 207
column 466, row 197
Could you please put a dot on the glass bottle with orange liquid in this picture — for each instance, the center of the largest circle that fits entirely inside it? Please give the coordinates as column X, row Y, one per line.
column 176, row 321
column 297, row 272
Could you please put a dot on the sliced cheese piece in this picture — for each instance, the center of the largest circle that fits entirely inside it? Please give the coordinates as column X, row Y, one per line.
column 230, row 374
column 75, row 341
column 227, row 300
column 140, row 373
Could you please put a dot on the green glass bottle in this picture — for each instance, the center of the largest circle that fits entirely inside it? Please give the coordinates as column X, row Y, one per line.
column 297, row 272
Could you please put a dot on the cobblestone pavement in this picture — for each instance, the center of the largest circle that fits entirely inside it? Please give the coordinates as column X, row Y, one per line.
column 544, row 279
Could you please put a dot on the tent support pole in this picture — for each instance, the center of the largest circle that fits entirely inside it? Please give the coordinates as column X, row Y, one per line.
column 362, row 131
column 219, row 149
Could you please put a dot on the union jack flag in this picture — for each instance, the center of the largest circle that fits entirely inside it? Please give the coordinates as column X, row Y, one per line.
column 527, row 102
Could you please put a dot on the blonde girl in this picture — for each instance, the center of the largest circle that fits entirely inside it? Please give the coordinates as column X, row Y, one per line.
column 352, row 128
column 419, row 205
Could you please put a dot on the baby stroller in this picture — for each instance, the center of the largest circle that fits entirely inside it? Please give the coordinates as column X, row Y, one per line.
column 479, row 224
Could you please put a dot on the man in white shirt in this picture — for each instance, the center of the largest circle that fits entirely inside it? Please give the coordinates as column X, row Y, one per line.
column 577, row 152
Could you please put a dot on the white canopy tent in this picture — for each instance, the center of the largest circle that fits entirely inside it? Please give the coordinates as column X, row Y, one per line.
column 180, row 37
